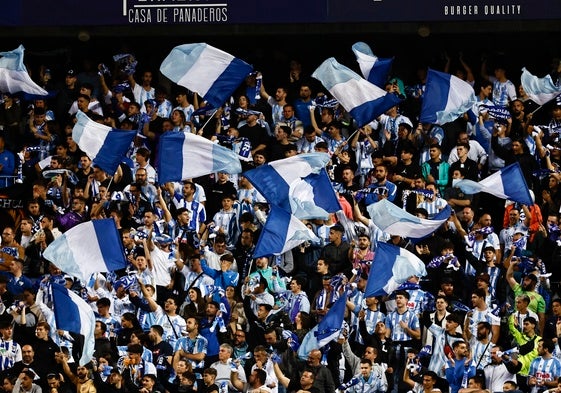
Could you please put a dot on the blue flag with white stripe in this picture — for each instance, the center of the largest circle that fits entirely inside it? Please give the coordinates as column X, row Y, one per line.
column 446, row 98
column 374, row 69
column 327, row 330
column 394, row 220
column 185, row 155
column 73, row 314
column 393, row 266
column 297, row 184
column 362, row 99
column 507, row 183
column 105, row 146
column 211, row 72
column 540, row 90
column 13, row 74
column 282, row 232
column 88, row 248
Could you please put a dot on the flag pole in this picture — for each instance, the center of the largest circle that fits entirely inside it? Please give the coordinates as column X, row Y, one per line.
column 210, row 117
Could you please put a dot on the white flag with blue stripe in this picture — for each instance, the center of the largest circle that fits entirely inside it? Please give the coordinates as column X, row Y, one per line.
column 374, row 69
column 185, row 155
column 208, row 71
column 393, row 266
column 13, row 74
column 362, row 99
column 446, row 98
column 540, row 90
column 396, row 221
column 73, row 314
column 507, row 183
column 282, row 232
column 297, row 184
column 90, row 247
column 105, row 146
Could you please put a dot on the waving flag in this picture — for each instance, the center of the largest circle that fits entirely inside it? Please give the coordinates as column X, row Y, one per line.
column 90, row 247
column 540, row 90
column 13, row 74
column 446, row 98
column 297, row 184
column 73, row 314
column 394, row 220
column 393, row 266
column 282, row 232
column 212, row 73
column 363, row 100
column 184, row 156
column 374, row 69
column 326, row 331
column 105, row 146
column 507, row 183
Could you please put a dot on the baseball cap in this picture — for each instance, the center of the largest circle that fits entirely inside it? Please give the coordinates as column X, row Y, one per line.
column 532, row 276
column 71, row 72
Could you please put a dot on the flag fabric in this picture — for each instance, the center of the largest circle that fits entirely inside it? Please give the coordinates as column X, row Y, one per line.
column 374, row 69
column 13, row 74
column 329, row 327
column 73, row 314
column 105, row 146
column 393, row 266
column 208, row 71
column 362, row 99
column 540, row 90
column 282, row 232
column 508, row 183
column 185, row 155
column 446, row 98
column 297, row 184
column 90, row 247
column 327, row 330
column 394, row 220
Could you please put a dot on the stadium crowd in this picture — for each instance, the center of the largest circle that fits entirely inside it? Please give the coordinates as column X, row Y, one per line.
column 194, row 311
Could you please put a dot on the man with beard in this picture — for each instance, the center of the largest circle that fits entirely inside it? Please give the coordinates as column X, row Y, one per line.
column 459, row 364
column 382, row 188
column 82, row 380
column 528, row 287
column 480, row 345
column 481, row 312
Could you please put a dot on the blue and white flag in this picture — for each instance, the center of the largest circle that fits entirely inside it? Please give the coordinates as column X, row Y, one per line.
column 13, row 74
column 446, row 98
column 88, row 248
column 297, row 184
column 396, row 221
column 540, row 90
column 374, row 69
column 282, row 232
column 105, row 146
column 327, row 330
column 393, row 266
column 73, row 314
column 329, row 327
column 362, row 99
column 508, row 183
column 184, row 156
column 208, row 71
